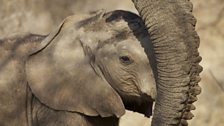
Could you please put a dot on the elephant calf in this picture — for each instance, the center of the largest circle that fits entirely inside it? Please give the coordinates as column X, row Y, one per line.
column 84, row 73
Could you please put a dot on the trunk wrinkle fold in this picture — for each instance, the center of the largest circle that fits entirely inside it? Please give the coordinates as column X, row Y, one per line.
column 171, row 27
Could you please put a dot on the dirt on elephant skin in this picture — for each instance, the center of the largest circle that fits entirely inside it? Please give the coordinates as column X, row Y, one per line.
column 41, row 16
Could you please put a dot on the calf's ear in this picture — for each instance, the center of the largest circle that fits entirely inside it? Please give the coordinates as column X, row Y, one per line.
column 63, row 78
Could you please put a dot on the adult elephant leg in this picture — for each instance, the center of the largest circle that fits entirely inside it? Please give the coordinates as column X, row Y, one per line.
column 175, row 42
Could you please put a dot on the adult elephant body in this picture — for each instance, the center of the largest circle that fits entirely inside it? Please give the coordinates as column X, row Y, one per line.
column 86, row 72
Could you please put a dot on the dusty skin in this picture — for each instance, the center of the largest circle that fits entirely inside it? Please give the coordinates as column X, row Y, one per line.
column 41, row 17
column 80, row 74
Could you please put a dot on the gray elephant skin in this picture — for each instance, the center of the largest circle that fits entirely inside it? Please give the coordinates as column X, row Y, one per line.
column 57, row 93
column 84, row 73
column 171, row 27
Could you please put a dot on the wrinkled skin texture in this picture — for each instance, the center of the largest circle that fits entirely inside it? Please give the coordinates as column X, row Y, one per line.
column 171, row 26
column 86, row 72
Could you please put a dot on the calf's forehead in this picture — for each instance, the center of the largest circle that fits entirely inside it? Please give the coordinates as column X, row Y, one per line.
column 118, row 27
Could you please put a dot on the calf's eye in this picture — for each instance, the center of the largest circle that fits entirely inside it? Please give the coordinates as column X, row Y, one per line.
column 125, row 60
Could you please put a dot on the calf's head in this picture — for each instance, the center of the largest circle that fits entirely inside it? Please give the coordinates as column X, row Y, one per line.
column 95, row 66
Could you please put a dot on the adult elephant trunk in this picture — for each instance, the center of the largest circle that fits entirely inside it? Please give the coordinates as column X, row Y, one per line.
column 172, row 30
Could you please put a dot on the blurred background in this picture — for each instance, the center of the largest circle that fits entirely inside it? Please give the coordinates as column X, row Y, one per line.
column 41, row 16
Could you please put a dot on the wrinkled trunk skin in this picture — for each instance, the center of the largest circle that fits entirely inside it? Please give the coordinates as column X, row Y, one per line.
column 171, row 26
